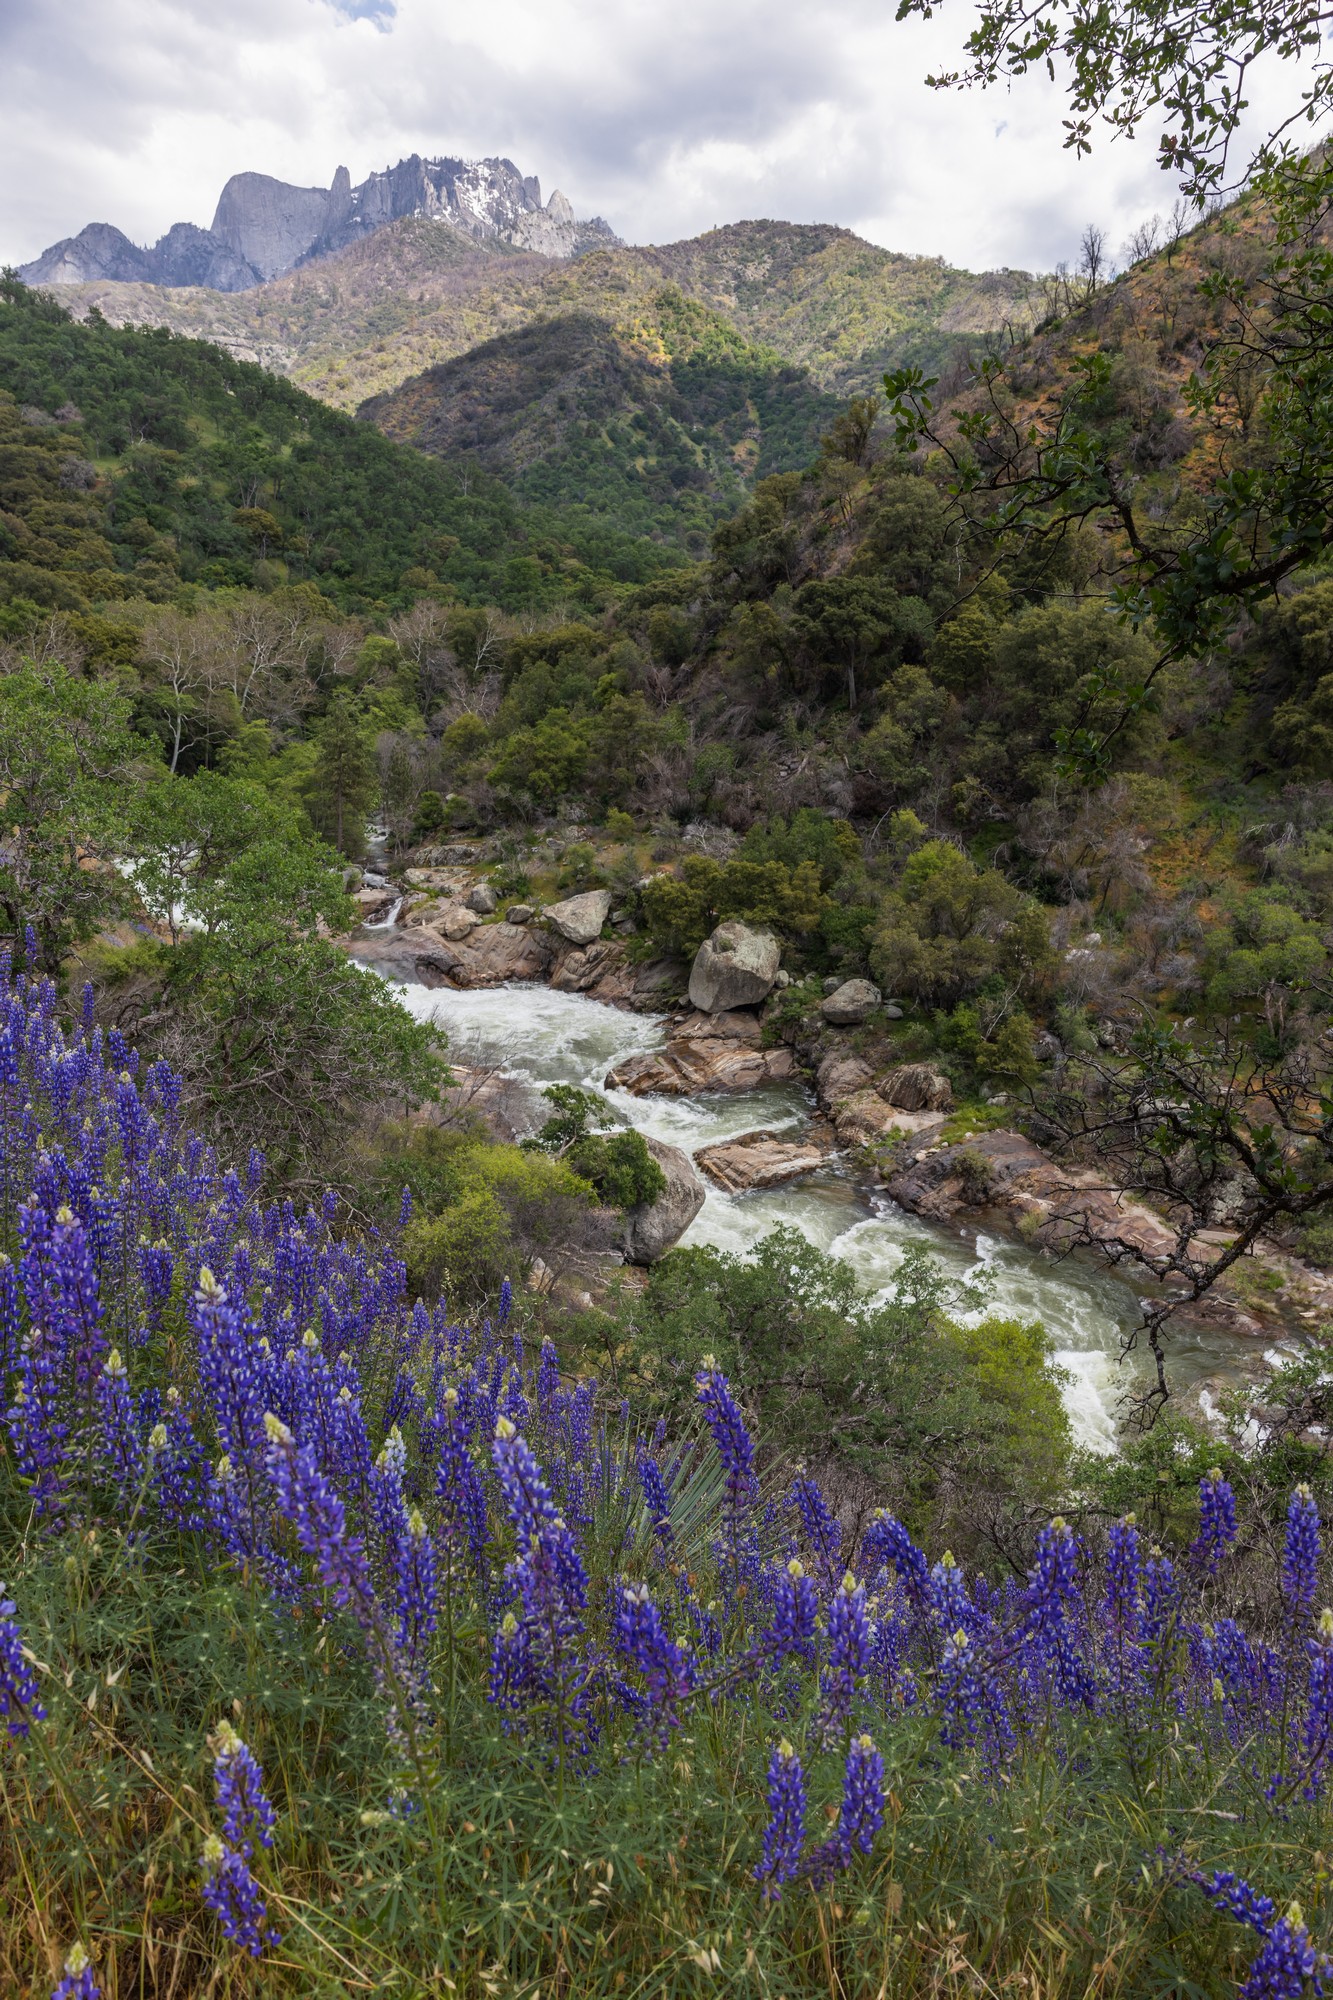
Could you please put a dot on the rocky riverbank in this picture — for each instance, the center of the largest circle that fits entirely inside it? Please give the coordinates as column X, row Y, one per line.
column 890, row 1117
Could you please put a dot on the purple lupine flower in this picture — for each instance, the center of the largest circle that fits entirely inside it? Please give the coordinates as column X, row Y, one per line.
column 526, row 1494
column 157, row 1269
column 19, row 1706
column 9, row 1316
column 1317, row 1744
column 415, row 1587
column 948, row 1595
column 511, row 1677
column 233, row 1371
column 887, row 1541
column 1286, row 1962
column 1124, row 1578
column 860, row 1819
column 735, row 1447
column 1161, row 1595
column 61, row 1283
column 822, row 1529
column 122, row 1452
column 656, row 1498
column 548, row 1379
column 1232, row 1893
column 548, row 1575
column 1300, row 1557
column 36, row 1428
column 404, row 1208
column 795, row 1614
column 506, row 1301
column 458, row 1485
column 78, row 1982
column 666, row 1666
column 177, row 1467
column 862, row 1813
column 1053, row 1603
column 959, row 1691
column 1217, row 1523
column 238, row 1784
column 316, row 1512
column 851, row 1642
column 784, row 1836
column 235, row 1898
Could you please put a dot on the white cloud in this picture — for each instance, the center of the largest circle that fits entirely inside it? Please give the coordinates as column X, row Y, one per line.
column 665, row 119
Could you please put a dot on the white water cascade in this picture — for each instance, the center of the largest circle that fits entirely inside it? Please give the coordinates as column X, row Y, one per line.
column 541, row 1037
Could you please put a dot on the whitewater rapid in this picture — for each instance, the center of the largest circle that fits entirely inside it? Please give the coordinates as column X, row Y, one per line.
column 540, row 1036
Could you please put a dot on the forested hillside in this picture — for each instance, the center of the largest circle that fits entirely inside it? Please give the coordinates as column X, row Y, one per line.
column 661, row 428
column 139, row 461
column 415, row 294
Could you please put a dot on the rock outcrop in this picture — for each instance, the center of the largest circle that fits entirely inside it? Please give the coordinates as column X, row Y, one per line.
column 580, row 918
column 652, row 1229
column 263, row 228
column 186, row 255
column 720, row 1052
column 851, row 1003
column 735, row 967
column 916, row 1087
column 864, row 1119
column 759, row 1160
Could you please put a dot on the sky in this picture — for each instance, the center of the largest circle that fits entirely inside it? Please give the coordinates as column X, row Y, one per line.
column 664, row 118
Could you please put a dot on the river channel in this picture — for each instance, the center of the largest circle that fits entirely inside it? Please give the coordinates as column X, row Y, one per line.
column 541, row 1036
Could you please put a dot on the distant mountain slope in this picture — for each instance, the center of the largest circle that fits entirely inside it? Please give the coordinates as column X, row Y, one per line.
column 658, row 424
column 413, row 295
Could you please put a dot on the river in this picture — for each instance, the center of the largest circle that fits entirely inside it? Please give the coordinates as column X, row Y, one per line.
column 544, row 1037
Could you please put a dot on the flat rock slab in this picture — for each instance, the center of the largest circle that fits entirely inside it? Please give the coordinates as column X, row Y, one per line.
column 758, row 1160
column 690, row 1068
column 739, row 1024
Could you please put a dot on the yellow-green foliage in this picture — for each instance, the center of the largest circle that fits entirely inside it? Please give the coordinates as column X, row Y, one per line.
column 493, row 1209
column 1010, row 1363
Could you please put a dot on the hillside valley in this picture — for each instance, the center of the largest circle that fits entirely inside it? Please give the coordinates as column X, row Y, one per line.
column 414, row 294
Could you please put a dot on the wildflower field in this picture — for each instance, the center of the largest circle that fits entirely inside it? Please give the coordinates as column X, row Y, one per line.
column 344, row 1649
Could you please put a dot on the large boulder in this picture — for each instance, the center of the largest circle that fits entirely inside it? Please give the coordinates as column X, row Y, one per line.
column 481, row 898
column 454, row 921
column 759, row 1160
column 652, row 1229
column 735, row 967
column 580, row 918
column 851, row 1003
column 840, row 1076
column 916, row 1087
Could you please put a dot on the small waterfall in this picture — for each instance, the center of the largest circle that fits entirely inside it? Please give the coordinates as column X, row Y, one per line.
column 387, row 923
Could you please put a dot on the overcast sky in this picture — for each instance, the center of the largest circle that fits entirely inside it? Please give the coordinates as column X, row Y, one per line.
column 665, row 116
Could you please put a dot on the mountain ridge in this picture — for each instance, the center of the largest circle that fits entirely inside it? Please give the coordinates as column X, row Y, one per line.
column 264, row 228
column 411, row 296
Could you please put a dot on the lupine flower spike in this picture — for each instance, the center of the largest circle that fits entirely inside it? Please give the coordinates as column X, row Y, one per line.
column 19, row 1706
column 78, row 1982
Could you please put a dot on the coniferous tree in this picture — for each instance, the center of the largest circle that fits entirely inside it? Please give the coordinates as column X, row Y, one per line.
column 342, row 787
